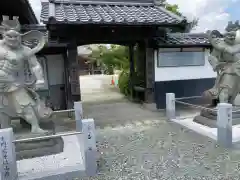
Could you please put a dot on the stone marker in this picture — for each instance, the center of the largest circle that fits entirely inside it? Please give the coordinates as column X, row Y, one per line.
column 90, row 149
column 170, row 106
column 224, row 124
column 78, row 115
column 8, row 167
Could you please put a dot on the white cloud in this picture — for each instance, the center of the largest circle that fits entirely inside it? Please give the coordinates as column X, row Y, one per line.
column 210, row 12
column 36, row 6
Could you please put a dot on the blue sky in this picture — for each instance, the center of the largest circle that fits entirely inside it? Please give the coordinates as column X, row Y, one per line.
column 233, row 10
column 212, row 14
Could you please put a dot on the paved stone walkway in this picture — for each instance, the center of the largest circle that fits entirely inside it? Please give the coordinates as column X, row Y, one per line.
column 138, row 144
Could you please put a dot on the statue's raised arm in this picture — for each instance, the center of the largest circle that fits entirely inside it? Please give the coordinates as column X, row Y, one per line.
column 216, row 40
column 37, row 36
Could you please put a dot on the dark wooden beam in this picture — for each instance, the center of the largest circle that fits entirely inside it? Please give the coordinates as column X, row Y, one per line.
column 132, row 70
column 89, row 34
column 73, row 73
column 52, row 50
column 66, row 82
column 150, row 74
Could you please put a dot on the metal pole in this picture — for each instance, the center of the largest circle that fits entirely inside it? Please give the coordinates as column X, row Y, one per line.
column 170, row 106
column 191, row 97
column 61, row 111
column 196, row 106
column 45, row 137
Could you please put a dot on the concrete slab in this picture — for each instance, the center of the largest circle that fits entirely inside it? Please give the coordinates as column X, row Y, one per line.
column 67, row 165
column 205, row 130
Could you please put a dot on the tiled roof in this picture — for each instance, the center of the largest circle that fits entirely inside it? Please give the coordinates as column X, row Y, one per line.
column 184, row 39
column 107, row 13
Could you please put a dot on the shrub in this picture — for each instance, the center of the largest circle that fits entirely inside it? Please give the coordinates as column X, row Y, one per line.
column 123, row 82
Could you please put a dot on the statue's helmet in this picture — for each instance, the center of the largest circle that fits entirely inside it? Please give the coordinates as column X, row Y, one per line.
column 10, row 30
column 11, row 25
column 232, row 34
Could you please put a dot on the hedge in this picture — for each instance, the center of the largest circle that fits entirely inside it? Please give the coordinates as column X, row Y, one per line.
column 123, row 82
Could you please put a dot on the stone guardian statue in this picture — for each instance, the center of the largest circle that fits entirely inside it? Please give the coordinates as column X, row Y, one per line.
column 18, row 98
column 225, row 60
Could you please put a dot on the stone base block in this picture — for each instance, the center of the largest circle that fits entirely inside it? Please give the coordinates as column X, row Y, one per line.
column 212, row 123
column 209, row 118
column 66, row 165
column 36, row 148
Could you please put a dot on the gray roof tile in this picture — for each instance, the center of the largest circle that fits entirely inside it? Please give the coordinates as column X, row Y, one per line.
column 82, row 13
column 184, row 39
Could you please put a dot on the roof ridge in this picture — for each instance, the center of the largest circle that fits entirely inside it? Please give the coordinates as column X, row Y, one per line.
column 122, row 2
column 184, row 40
column 179, row 33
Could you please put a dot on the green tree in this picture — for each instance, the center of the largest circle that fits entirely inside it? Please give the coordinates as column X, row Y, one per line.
column 175, row 9
column 114, row 58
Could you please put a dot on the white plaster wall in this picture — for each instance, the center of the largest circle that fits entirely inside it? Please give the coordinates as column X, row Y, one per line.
column 55, row 65
column 183, row 73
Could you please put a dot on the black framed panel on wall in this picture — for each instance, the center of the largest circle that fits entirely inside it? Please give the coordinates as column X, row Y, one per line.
column 27, row 76
column 43, row 62
column 180, row 57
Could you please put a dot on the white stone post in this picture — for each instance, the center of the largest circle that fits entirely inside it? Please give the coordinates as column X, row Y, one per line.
column 224, row 124
column 88, row 142
column 8, row 165
column 170, row 106
column 90, row 149
column 78, row 114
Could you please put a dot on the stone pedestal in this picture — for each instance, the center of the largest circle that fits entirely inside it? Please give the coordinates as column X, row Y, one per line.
column 209, row 118
column 26, row 150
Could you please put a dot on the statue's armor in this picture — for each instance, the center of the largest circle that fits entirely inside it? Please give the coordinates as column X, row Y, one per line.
column 13, row 94
column 10, row 63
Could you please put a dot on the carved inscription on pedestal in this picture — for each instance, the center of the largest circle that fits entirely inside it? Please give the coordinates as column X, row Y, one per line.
column 4, row 150
column 8, row 166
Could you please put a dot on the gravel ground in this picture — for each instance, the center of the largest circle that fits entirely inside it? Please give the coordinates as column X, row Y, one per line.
column 154, row 149
column 135, row 143
column 159, row 150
